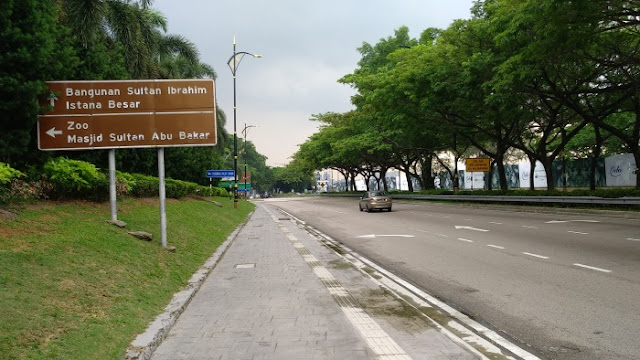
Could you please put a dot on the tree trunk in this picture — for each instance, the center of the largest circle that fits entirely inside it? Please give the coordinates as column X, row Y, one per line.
column 532, row 169
column 407, row 174
column 594, row 159
column 636, row 156
column 502, row 175
column 548, row 170
column 352, row 175
column 427, row 174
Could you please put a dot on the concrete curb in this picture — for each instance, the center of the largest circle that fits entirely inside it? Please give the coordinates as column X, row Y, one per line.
column 143, row 346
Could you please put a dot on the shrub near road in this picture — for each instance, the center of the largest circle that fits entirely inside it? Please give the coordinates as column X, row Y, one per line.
column 74, row 287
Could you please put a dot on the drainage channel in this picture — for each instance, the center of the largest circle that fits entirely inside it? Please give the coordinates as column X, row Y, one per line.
column 457, row 326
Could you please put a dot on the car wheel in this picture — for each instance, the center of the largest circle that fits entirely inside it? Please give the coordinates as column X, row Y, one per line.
column 389, row 209
column 360, row 207
column 366, row 209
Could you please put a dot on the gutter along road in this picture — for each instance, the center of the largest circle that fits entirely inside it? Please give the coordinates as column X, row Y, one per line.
column 565, row 284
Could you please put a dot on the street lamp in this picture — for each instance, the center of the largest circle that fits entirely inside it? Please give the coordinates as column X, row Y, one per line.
column 234, row 62
column 244, row 137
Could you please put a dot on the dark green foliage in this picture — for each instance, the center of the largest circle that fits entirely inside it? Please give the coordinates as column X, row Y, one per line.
column 191, row 163
column 33, row 48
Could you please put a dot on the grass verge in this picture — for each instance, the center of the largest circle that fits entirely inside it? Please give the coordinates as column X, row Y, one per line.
column 74, row 287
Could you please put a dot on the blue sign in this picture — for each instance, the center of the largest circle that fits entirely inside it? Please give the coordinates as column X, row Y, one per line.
column 221, row 173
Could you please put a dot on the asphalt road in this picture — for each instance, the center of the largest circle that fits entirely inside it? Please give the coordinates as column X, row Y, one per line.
column 566, row 284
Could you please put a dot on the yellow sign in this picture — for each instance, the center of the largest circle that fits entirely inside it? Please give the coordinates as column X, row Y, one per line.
column 478, row 165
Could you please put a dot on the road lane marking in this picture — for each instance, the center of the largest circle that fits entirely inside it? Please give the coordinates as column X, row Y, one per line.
column 496, row 247
column 529, row 227
column 536, row 255
column 336, row 211
column 466, row 240
column 429, row 232
column 578, row 232
column 373, row 236
column 592, row 268
column 496, row 223
column 566, row 221
column 458, row 227
column 632, row 239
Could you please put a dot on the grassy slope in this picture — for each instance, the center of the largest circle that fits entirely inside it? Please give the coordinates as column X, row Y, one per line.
column 74, row 287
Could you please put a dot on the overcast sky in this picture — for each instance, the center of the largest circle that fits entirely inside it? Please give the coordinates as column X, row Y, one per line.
column 307, row 46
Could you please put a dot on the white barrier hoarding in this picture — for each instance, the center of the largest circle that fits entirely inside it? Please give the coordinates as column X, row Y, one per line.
column 620, row 170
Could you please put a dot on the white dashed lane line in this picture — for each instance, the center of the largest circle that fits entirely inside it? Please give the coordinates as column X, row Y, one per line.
column 530, row 254
column 632, row 239
column 578, row 232
column 592, row 268
column 495, row 223
column 536, row 255
column 529, row 227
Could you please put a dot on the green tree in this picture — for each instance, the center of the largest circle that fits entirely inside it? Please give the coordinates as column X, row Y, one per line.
column 33, row 48
column 140, row 29
column 573, row 54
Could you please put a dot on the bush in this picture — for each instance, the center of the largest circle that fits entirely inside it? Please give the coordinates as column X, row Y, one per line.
column 7, row 174
column 73, row 178
column 143, row 185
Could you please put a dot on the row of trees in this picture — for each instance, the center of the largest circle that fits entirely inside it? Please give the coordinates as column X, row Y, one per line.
column 543, row 78
column 101, row 40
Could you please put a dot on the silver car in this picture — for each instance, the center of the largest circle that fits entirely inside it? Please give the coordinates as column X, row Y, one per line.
column 375, row 200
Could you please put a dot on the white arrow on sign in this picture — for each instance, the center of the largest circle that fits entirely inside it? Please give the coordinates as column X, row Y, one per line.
column 52, row 99
column 373, row 236
column 53, row 132
column 566, row 221
column 458, row 227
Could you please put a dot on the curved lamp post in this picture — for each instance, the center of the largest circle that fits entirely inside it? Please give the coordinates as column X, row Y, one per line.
column 244, row 137
column 234, row 62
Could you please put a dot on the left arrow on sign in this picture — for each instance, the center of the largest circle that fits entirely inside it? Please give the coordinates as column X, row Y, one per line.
column 53, row 132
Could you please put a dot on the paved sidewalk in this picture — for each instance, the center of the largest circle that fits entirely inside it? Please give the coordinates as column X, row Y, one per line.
column 277, row 293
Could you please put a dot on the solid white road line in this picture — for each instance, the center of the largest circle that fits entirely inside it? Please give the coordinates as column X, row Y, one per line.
column 566, row 221
column 592, row 268
column 536, row 255
column 496, row 247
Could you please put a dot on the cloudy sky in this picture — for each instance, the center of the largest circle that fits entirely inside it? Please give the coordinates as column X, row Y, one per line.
column 307, row 46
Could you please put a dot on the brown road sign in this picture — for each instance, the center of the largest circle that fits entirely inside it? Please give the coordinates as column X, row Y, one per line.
column 128, row 113
column 118, row 131
column 128, row 96
column 478, row 164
